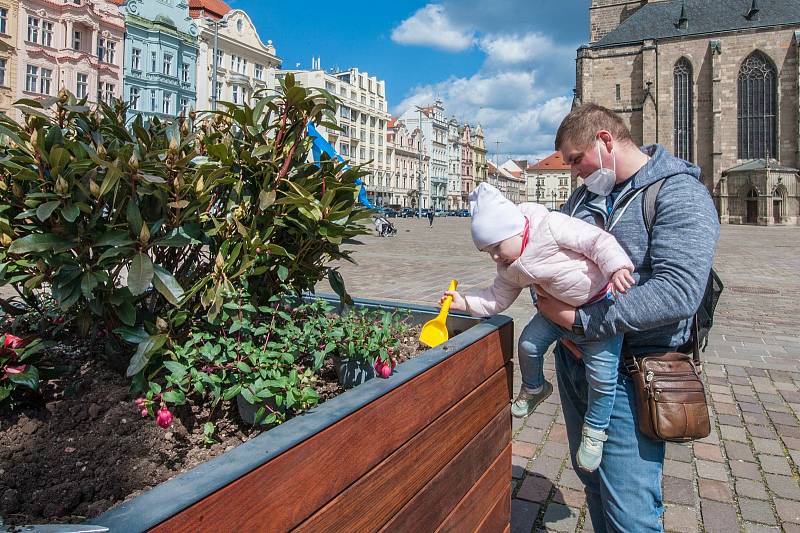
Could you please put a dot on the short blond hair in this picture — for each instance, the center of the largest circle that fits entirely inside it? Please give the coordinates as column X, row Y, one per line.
column 580, row 127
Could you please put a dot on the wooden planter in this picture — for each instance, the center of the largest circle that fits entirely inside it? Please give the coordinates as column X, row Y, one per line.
column 428, row 448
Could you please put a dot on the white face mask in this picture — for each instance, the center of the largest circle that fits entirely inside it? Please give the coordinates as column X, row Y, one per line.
column 602, row 180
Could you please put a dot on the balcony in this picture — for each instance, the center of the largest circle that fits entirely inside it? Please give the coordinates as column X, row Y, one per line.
column 163, row 78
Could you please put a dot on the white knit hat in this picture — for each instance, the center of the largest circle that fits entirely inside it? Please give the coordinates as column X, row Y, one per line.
column 494, row 218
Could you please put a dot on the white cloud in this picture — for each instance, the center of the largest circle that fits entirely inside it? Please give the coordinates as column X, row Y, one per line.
column 430, row 26
column 514, row 49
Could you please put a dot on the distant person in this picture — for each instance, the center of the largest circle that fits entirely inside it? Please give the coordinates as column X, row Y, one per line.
column 563, row 257
column 430, row 218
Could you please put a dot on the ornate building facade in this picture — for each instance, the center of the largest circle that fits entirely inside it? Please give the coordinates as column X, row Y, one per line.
column 245, row 64
column 9, row 26
column 715, row 82
column 409, row 180
column 455, row 156
column 434, row 130
column 77, row 45
column 549, row 182
column 467, row 166
column 160, row 57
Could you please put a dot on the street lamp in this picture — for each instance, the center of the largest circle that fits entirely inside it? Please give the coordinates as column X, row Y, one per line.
column 217, row 24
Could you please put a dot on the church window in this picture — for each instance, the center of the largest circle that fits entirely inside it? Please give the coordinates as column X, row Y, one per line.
column 757, row 108
column 683, row 112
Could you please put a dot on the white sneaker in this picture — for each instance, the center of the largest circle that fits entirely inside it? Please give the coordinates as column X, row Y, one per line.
column 590, row 452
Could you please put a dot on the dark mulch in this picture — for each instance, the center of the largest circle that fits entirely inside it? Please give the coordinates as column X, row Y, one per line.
column 82, row 446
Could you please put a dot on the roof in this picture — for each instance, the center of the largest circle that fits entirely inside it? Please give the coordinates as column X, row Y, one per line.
column 553, row 161
column 215, row 9
column 659, row 20
column 392, row 122
column 760, row 164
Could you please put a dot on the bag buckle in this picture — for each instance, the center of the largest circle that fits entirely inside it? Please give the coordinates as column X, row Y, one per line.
column 630, row 365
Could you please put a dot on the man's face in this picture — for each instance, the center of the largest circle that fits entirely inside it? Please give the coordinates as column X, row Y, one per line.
column 583, row 162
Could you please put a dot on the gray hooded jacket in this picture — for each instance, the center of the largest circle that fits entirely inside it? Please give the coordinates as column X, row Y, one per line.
column 671, row 267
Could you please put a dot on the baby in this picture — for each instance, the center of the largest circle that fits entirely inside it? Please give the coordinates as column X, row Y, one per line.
column 570, row 260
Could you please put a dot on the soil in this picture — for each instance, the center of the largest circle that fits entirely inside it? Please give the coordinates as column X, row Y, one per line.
column 82, row 446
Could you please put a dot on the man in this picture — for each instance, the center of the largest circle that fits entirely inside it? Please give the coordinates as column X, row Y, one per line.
column 671, row 268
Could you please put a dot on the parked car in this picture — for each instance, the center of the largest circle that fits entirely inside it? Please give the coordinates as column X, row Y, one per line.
column 451, row 213
column 409, row 212
column 462, row 213
column 438, row 213
column 388, row 212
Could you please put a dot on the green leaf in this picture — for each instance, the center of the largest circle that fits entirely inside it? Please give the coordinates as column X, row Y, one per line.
column 337, row 284
column 283, row 272
column 261, row 150
column 126, row 313
column 145, row 349
column 29, row 378
column 132, row 335
column 46, row 209
column 140, row 274
column 243, row 367
column 151, row 178
column 134, row 217
column 88, row 283
column 114, row 238
column 70, row 212
column 178, row 370
column 40, row 242
column 266, row 199
column 167, row 285
column 232, row 392
column 175, row 397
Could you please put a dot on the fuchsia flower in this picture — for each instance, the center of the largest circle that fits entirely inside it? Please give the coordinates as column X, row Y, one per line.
column 12, row 341
column 15, row 369
column 164, row 418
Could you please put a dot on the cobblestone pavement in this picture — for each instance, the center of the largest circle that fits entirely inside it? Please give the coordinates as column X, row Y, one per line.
column 743, row 477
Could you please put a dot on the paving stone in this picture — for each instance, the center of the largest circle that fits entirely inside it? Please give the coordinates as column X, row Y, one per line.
column 534, row 489
column 708, row 451
column 736, row 371
column 680, row 519
column 751, row 489
column 726, row 409
column 558, row 433
column 711, row 470
column 677, row 490
column 718, row 517
column 539, row 421
column 757, row 511
column 757, row 419
column 678, row 452
column 769, row 446
column 745, row 470
column 750, row 407
column 678, row 469
column 739, row 451
column 711, row 489
column 760, row 528
column 763, row 432
column 555, row 449
column 774, row 465
column 788, row 511
column 788, row 431
column 785, row 419
column 570, row 479
column 730, row 420
column 547, row 408
column 560, row 518
column 516, row 424
column 733, row 433
column 531, row 435
column 523, row 515
column 570, row 497
column 523, row 449
column 518, row 465
column 784, row 486
column 791, row 443
column 547, row 467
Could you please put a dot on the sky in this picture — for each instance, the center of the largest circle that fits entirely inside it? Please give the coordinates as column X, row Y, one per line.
column 506, row 64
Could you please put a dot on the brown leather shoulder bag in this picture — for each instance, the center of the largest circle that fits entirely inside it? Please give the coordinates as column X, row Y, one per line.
column 670, row 396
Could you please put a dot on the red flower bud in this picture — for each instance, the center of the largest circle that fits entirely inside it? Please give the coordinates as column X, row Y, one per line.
column 143, row 413
column 164, row 418
column 12, row 341
column 14, row 369
column 385, row 371
column 139, row 402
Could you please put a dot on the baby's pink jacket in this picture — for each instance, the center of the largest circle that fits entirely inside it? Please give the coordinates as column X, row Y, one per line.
column 567, row 258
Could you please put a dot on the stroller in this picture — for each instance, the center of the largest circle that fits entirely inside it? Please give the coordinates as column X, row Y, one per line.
column 384, row 227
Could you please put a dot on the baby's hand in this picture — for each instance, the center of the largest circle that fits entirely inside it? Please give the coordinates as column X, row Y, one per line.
column 459, row 303
column 622, row 280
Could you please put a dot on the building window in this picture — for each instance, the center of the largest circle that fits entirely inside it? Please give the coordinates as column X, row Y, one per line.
column 757, row 108
column 220, row 57
column 134, row 98
column 259, row 71
column 184, row 106
column 3, row 63
column 235, row 94
column 185, row 72
column 33, row 30
column 76, row 40
column 105, row 50
column 683, row 111
column 219, row 90
column 3, row 20
column 167, row 67
column 32, row 79
column 108, row 94
column 166, row 107
column 136, row 59
column 618, row 92
column 47, row 33
column 153, row 100
column 153, row 62
column 82, row 86
column 46, row 81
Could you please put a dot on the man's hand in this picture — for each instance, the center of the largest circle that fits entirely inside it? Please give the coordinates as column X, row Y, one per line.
column 459, row 303
column 555, row 310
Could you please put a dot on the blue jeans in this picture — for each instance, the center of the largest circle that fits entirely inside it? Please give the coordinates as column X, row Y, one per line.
column 601, row 359
column 624, row 494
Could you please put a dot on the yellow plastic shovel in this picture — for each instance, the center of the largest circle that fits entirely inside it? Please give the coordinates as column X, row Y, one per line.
column 434, row 332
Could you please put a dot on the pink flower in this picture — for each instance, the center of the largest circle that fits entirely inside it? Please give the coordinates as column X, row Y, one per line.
column 15, row 369
column 144, row 413
column 12, row 341
column 164, row 418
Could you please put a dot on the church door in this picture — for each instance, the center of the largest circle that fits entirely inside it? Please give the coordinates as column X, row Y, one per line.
column 752, row 207
column 776, row 211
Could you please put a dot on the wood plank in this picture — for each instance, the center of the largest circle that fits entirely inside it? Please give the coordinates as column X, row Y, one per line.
column 322, row 466
column 499, row 517
column 433, row 503
column 398, row 478
column 468, row 514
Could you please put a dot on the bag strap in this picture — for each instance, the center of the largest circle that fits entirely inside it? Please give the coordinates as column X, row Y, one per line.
column 649, row 216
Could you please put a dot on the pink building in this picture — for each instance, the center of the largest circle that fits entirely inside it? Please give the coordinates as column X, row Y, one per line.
column 75, row 44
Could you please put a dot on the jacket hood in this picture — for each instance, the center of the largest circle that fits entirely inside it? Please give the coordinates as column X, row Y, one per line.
column 662, row 164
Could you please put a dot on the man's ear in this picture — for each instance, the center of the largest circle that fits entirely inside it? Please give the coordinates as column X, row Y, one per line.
column 605, row 137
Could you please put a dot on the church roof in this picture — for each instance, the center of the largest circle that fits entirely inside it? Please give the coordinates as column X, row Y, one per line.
column 659, row 20
column 760, row 164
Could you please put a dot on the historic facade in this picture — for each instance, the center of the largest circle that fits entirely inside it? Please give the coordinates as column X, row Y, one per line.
column 478, row 146
column 160, row 58
column 467, row 166
column 245, row 64
column 549, row 182
column 9, row 26
column 408, row 181
column 715, row 82
column 454, row 164
column 74, row 45
column 434, row 130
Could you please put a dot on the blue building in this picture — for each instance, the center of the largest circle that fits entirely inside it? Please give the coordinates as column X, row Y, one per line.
column 160, row 70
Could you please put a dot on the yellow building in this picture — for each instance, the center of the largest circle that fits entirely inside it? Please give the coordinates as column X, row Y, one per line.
column 9, row 13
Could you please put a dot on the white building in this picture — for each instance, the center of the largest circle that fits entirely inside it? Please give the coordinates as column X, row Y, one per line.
column 244, row 63
column 549, row 181
column 453, row 165
column 434, row 130
column 409, row 164
column 363, row 117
